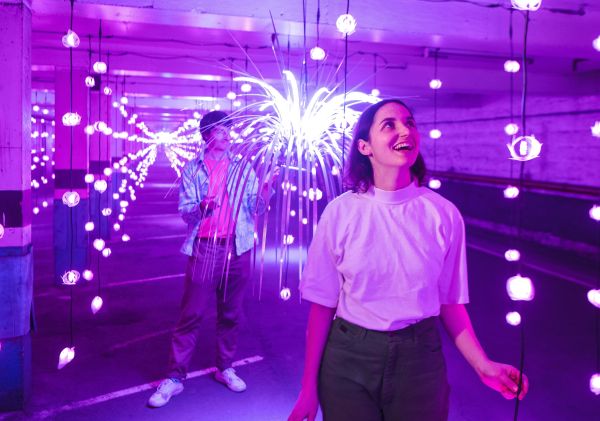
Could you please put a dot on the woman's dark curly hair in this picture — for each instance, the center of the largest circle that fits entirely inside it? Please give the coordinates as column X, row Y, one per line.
column 359, row 172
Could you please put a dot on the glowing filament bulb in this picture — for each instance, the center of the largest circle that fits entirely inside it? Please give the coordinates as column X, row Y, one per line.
column 288, row 239
column 1, row 230
column 435, row 84
column 520, row 288
column 375, row 92
column 511, row 129
column 595, row 384
column 107, row 90
column 116, row 226
column 531, row 5
column 100, row 186
column 71, row 198
column 99, row 244
column 285, row 294
column 317, row 53
column 106, row 252
column 96, row 304
column 512, row 255
column 71, row 119
column 346, row 24
column 107, row 172
column 513, row 318
column 596, row 129
column 65, row 357
column 106, row 211
column 70, row 39
column 593, row 297
column 435, row 133
column 36, row 210
column 511, row 66
column 125, row 238
column 124, row 100
column 100, row 68
column 89, row 130
column 245, row 88
column 595, row 212
column 88, row 275
column 89, row 226
column 511, row 192
column 525, row 148
column 90, row 82
column 231, row 95
column 434, row 184
column 70, row 277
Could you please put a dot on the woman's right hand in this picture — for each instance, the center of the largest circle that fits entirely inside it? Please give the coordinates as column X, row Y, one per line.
column 306, row 406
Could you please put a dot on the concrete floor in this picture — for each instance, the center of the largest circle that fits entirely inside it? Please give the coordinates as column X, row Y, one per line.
column 124, row 347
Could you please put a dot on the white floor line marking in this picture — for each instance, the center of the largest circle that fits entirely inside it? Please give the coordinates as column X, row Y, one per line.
column 118, row 284
column 138, row 339
column 535, row 267
column 133, row 390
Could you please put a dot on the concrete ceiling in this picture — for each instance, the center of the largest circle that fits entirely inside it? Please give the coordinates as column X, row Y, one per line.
column 176, row 54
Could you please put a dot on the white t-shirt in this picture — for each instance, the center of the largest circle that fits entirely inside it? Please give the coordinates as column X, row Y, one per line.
column 387, row 259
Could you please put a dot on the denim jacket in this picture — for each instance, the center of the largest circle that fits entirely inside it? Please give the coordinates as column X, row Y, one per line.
column 244, row 187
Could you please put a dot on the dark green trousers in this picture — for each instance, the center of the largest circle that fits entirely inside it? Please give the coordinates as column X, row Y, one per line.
column 368, row 375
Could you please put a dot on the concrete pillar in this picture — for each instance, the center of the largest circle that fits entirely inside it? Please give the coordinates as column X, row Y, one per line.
column 70, row 237
column 16, row 268
column 99, row 160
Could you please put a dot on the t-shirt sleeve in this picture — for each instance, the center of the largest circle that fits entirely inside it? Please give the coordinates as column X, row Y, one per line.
column 321, row 282
column 453, row 283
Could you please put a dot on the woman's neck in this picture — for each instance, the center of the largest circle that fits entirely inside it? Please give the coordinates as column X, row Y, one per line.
column 391, row 179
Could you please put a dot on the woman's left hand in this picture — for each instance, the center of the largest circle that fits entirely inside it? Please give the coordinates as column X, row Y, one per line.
column 503, row 378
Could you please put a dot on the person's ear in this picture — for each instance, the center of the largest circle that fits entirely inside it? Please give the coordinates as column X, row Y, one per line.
column 364, row 147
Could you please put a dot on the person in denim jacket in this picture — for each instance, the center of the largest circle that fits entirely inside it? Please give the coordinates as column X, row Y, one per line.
column 219, row 198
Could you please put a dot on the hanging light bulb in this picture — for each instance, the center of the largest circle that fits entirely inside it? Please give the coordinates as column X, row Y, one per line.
column 44, row 203
column 317, row 53
column 435, row 84
column 511, row 66
column 66, row 356
column 71, row 198
column 107, row 90
column 106, row 211
column 123, row 203
column 89, row 130
column 36, row 210
column 70, row 39
column 285, row 293
column 520, row 288
column 99, row 244
column 246, row 87
column 124, row 100
column 511, row 129
column 36, row 108
column 71, row 119
column 525, row 148
column 346, row 24
column 89, row 226
column 231, row 95
column 595, row 212
column 288, row 239
column 435, row 133
column 512, row 255
column 106, row 252
column 96, row 304
column 88, row 275
column 596, row 129
column 593, row 297
column 107, row 171
column 237, row 103
column 596, row 43
column 116, row 226
column 434, row 183
column 595, row 384
column 70, row 277
column 513, row 318
column 531, row 5
column 375, row 92
column 1, row 230
column 100, row 68
column 305, row 221
column 100, row 186
column 88, row 178
column 511, row 192
column 121, row 217
column 125, row 238
column 90, row 82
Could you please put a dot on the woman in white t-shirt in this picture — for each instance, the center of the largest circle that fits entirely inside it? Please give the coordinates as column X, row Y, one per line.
column 388, row 259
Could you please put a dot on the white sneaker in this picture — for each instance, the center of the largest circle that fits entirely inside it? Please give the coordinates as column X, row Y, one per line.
column 165, row 391
column 230, row 379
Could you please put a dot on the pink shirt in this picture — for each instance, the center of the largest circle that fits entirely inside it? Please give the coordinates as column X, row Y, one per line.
column 386, row 259
column 221, row 220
